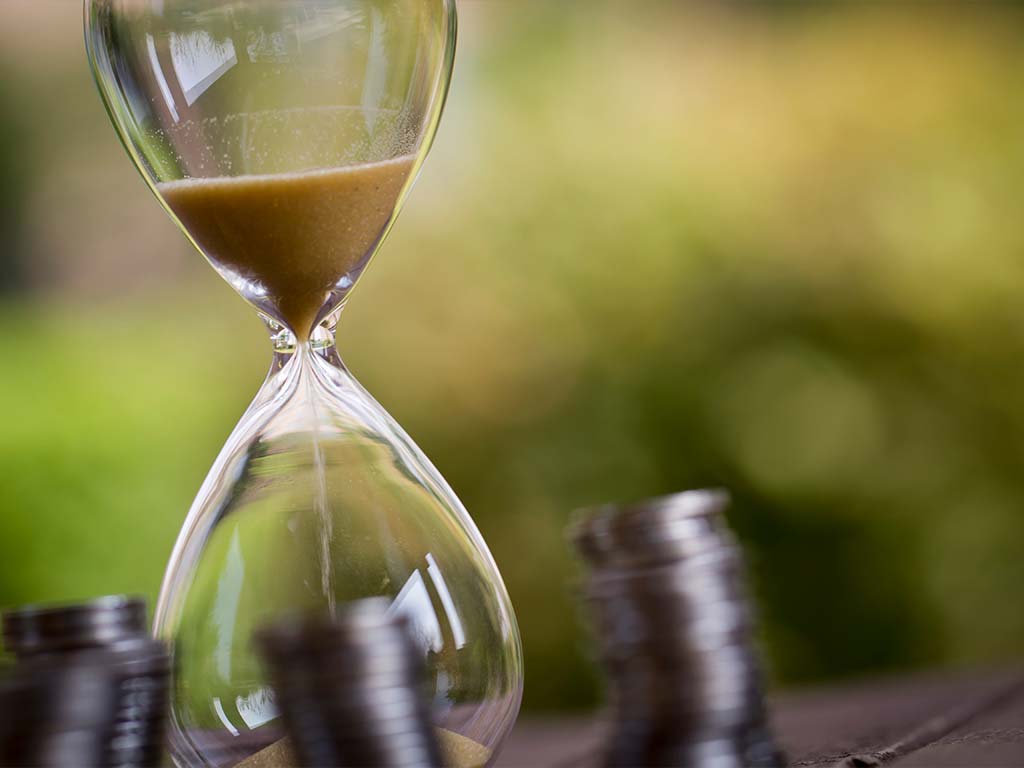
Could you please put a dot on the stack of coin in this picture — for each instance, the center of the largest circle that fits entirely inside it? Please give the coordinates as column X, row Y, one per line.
column 675, row 626
column 44, row 630
column 349, row 689
column 89, row 688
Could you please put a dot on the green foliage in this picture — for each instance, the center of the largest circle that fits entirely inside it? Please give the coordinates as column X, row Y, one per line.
column 112, row 420
column 14, row 170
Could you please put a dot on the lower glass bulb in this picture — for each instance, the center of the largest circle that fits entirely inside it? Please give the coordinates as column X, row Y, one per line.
column 319, row 498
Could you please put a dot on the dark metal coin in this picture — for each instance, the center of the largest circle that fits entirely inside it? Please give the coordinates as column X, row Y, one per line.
column 59, row 628
column 348, row 688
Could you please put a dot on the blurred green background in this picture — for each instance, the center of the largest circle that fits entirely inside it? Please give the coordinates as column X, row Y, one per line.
column 658, row 245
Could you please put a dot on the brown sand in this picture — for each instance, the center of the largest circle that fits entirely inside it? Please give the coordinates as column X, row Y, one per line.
column 456, row 751
column 296, row 235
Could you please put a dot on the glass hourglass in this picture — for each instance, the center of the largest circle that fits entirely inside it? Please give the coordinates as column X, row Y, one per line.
column 283, row 136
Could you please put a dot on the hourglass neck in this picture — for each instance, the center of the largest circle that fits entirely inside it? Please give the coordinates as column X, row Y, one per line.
column 288, row 349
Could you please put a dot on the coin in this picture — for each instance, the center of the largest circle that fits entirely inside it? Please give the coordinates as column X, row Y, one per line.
column 674, row 622
column 348, row 688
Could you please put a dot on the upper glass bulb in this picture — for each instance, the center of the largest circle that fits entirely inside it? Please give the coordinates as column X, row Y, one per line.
column 283, row 136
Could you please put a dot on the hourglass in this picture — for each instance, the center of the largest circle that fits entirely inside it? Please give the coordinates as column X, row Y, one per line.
column 283, row 136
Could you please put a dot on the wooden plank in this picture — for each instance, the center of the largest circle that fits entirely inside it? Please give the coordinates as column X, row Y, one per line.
column 880, row 721
column 996, row 738
column 826, row 726
column 557, row 742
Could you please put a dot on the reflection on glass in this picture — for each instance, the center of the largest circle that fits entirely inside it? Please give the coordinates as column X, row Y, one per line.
column 199, row 61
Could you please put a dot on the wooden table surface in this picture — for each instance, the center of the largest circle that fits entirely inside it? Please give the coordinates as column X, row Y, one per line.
column 973, row 720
